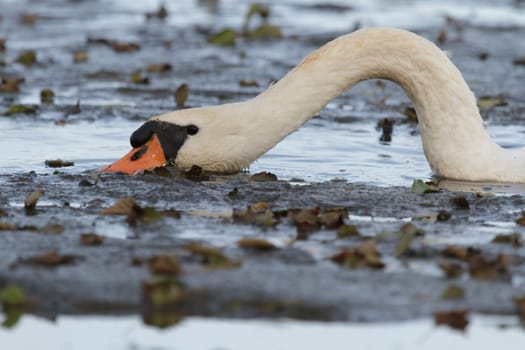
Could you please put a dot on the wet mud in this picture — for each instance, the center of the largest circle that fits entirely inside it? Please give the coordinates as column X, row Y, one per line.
column 298, row 277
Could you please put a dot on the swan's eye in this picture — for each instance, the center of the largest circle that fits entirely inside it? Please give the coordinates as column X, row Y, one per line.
column 192, row 129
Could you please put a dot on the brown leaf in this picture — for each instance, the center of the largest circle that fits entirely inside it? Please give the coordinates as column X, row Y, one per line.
column 158, row 68
column 162, row 291
column 80, row 56
column 28, row 18
column 442, row 36
column 27, row 58
column 164, row 264
column 2, row 44
column 460, row 202
column 52, row 229
column 480, row 268
column 248, row 83
column 457, row 319
column 514, row 238
column 52, row 259
column 181, row 95
column 4, row 226
column 124, row 206
column 32, row 199
column 332, row 219
column 411, row 114
column 211, row 257
column 453, row 292
column 91, row 239
column 256, row 244
column 10, row 84
column 263, row 176
column 452, row 270
column 47, row 96
column 520, row 305
column 365, row 255
column 58, row 163
column 137, row 78
column 460, row 253
column 347, row 231
column 305, row 220
column 520, row 61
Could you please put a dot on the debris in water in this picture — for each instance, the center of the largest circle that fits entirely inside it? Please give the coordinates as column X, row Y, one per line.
column 255, row 244
column 386, row 125
column 58, row 163
column 158, row 68
column 181, row 95
column 263, row 176
column 27, row 58
column 52, row 259
column 137, row 78
column 91, row 239
column 80, row 56
column 21, row 109
column 32, row 199
column 421, row 187
column 47, row 96
column 165, row 265
column 366, row 255
column 225, row 37
column 457, row 319
column 453, row 292
column 488, row 102
column 514, row 238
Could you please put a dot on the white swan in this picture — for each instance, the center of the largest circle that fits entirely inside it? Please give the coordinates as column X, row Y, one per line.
column 228, row 138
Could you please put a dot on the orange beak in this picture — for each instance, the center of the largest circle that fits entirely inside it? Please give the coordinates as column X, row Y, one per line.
column 146, row 157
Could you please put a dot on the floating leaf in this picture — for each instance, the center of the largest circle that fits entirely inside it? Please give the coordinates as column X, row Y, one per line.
column 365, row 255
column 211, row 257
column 181, row 95
column 347, row 231
column 21, row 109
column 263, row 176
column 248, row 83
column 12, row 295
column 460, row 202
column 165, row 265
column 488, row 102
column 10, row 84
column 28, row 18
column 161, row 13
column 137, row 78
column 32, row 199
column 80, row 56
column 514, row 238
column 4, row 226
column 519, row 61
column 411, row 114
column 58, row 163
column 2, row 44
column 454, row 319
column 196, row 173
column 124, row 206
column 452, row 270
column 333, row 219
column 158, row 68
column 47, row 96
column 453, row 292
column 265, row 31
column 117, row 46
column 421, row 187
column 521, row 220
column 162, row 291
column 223, row 38
column 91, row 239
column 27, row 58
column 520, row 305
column 255, row 244
column 52, row 229
column 386, row 125
column 52, row 259
column 404, row 242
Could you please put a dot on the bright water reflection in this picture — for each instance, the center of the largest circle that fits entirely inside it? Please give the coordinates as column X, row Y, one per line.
column 119, row 333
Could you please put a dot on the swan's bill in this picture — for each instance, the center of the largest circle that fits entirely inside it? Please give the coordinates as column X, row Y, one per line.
column 146, row 157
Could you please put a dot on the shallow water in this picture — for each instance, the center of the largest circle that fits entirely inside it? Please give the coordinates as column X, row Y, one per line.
column 340, row 144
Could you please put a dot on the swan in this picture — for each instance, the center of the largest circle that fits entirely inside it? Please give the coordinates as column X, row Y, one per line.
column 228, row 138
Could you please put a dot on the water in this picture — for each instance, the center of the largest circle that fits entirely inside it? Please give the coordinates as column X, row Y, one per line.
column 120, row 333
column 322, row 150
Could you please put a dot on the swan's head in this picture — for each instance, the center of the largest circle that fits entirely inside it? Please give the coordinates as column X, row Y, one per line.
column 213, row 138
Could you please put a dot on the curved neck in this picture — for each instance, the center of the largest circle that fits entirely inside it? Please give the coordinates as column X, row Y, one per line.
column 454, row 140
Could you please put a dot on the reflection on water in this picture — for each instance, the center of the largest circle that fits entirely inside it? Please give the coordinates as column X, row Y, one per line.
column 115, row 333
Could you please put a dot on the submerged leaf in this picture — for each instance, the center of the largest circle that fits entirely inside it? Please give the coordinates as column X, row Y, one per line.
column 452, row 270
column 52, row 259
column 265, row 31
column 158, row 67
column 366, row 255
column 514, row 238
column 223, row 38
column 80, row 56
column 211, row 257
column 347, row 231
column 47, row 96
column 162, row 291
